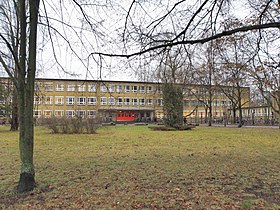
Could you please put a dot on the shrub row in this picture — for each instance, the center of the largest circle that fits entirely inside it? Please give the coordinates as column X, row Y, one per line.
column 75, row 125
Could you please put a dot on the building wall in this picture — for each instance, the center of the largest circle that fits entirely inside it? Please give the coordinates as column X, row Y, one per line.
column 108, row 99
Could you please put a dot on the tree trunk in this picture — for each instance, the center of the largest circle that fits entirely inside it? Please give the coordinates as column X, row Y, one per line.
column 14, row 119
column 210, row 114
column 26, row 94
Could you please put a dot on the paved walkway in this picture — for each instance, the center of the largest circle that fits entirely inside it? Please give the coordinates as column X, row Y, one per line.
column 244, row 126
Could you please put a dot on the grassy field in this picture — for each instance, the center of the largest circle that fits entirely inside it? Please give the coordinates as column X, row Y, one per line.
column 132, row 167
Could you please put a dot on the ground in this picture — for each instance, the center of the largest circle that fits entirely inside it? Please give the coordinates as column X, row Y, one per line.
column 133, row 167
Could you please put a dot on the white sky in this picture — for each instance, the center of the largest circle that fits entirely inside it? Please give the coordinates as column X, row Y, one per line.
column 112, row 21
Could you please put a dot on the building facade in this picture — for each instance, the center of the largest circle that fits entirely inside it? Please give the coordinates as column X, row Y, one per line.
column 120, row 100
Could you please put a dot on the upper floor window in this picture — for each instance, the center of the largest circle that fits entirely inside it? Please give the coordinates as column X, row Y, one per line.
column 37, row 86
column 71, row 87
column 70, row 100
column 82, row 88
column 126, row 101
column 149, row 101
column 103, row 100
column 134, row 88
column 59, row 86
column 159, row 89
column 81, row 100
column 49, row 100
column 118, row 88
column 91, row 100
column 111, row 101
column 160, row 102
column 48, row 86
column 37, row 100
column 142, row 89
column 91, row 87
column 149, row 89
column 111, row 88
column 126, row 88
column 59, row 100
column 134, row 101
column 119, row 101
column 103, row 88
column 141, row 101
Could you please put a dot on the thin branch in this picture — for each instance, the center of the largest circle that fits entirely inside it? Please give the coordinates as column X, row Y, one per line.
column 195, row 41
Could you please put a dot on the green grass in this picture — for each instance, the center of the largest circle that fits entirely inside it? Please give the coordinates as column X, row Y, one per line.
column 132, row 167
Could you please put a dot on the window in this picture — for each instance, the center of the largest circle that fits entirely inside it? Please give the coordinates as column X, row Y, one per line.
column 118, row 88
column 48, row 100
column 59, row 86
column 37, row 100
column 111, row 101
column 141, row 89
column 91, row 87
column 70, row 100
column 58, row 113
column 91, row 113
column 111, row 88
column 47, row 113
column 48, row 86
column 37, row 86
column 159, row 89
column 37, row 113
column 59, row 100
column 71, row 87
column 160, row 102
column 126, row 101
column 103, row 101
column 141, row 101
column 134, row 88
column 149, row 101
column 103, row 88
column 119, row 101
column 91, row 100
column 82, row 88
column 81, row 100
column 69, row 113
column 134, row 101
column 126, row 88
column 149, row 89
column 81, row 113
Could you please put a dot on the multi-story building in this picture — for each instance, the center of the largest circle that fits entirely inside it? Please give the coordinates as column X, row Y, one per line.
column 118, row 100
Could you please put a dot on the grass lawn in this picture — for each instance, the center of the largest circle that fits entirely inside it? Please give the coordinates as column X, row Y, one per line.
column 132, row 167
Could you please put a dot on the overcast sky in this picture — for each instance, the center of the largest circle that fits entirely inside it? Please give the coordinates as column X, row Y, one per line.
column 55, row 55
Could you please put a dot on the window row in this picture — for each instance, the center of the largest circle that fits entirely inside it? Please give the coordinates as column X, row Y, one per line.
column 60, row 86
column 126, row 88
column 66, row 113
column 215, row 103
column 72, row 100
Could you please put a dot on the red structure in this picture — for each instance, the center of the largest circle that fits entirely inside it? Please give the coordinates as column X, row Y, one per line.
column 125, row 116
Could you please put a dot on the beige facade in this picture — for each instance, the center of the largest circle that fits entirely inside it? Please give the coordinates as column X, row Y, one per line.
column 104, row 99
column 119, row 100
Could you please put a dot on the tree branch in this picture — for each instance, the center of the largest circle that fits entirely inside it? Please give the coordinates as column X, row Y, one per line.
column 194, row 41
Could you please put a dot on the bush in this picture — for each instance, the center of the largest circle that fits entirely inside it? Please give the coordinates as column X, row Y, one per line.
column 75, row 125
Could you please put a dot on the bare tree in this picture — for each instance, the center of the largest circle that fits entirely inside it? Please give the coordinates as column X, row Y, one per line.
column 234, row 73
column 19, row 38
